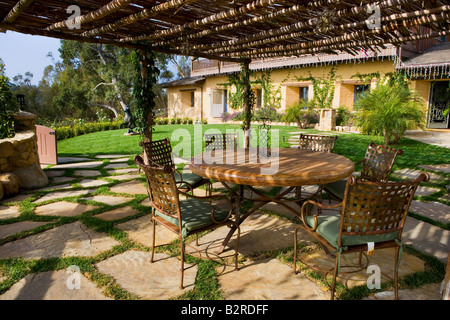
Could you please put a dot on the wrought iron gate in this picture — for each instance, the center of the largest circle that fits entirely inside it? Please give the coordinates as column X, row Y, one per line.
column 439, row 102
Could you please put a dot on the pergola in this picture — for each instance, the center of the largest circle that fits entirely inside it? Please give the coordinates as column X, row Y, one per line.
column 232, row 30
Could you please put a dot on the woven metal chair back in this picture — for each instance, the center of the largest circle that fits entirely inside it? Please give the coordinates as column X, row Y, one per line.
column 317, row 142
column 372, row 208
column 378, row 161
column 220, row 141
column 159, row 152
column 162, row 188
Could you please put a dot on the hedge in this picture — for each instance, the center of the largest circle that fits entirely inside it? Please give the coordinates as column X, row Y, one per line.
column 66, row 132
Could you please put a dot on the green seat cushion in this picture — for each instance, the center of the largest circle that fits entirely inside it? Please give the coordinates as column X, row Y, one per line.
column 190, row 178
column 195, row 214
column 337, row 188
column 328, row 228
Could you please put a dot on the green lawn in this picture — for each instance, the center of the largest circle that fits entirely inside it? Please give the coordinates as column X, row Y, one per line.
column 350, row 145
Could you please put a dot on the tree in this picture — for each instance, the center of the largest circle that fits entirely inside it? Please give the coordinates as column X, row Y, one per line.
column 390, row 109
column 103, row 73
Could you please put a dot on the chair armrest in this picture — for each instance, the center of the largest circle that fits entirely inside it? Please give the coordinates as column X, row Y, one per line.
column 230, row 205
column 318, row 204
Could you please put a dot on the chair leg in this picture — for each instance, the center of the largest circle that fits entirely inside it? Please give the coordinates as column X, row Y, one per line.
column 397, row 249
column 333, row 286
column 236, row 266
column 295, row 250
column 182, row 262
column 153, row 241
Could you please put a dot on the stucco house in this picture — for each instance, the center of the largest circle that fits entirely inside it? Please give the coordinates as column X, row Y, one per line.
column 425, row 62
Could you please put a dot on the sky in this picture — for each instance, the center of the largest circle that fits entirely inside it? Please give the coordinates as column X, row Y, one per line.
column 21, row 53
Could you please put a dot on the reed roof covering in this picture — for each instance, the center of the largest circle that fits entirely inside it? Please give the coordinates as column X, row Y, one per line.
column 232, row 30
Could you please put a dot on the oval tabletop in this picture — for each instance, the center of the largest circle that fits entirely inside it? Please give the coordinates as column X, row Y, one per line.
column 285, row 167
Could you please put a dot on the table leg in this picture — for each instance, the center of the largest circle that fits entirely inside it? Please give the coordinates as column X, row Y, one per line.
column 240, row 217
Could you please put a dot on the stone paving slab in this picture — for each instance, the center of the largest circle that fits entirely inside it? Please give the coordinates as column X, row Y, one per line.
column 110, row 200
column 130, row 187
column 17, row 198
column 9, row 212
column 117, row 213
column 426, row 292
column 62, row 194
column 72, row 159
column 120, row 160
column 267, row 279
column 116, row 165
column 70, row 240
column 54, row 173
column 111, row 156
column 63, row 209
column 78, row 165
column 384, row 258
column 124, row 177
column 55, row 187
column 431, row 209
column 427, row 238
column 87, row 173
column 140, row 231
column 87, row 183
column 53, row 285
column 259, row 233
column 426, row 191
column 412, row 174
column 62, row 179
column 437, row 167
column 126, row 170
column 151, row 281
column 13, row 228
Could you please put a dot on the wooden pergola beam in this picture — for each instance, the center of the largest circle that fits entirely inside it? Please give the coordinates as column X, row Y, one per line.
column 17, row 10
column 104, row 11
column 232, row 13
column 144, row 14
column 424, row 18
column 355, row 46
column 361, row 24
column 296, row 27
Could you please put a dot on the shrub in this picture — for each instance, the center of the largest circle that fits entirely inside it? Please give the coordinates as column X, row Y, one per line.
column 268, row 113
column 342, row 116
column 389, row 110
column 65, row 132
column 302, row 113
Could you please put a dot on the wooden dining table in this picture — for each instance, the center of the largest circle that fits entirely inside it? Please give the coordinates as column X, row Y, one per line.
column 283, row 167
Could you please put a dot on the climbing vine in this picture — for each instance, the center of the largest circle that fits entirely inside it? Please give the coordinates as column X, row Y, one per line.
column 323, row 88
column 146, row 75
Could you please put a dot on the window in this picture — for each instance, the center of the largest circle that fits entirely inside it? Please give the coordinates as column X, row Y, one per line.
column 359, row 90
column 303, row 93
column 192, row 99
column 258, row 98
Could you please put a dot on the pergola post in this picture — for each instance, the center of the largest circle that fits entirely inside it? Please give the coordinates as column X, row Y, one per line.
column 247, row 102
column 146, row 78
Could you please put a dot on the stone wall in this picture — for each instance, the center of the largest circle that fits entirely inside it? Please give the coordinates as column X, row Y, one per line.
column 19, row 155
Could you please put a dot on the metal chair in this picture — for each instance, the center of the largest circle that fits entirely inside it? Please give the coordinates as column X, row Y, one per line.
column 220, row 141
column 371, row 212
column 376, row 166
column 184, row 217
column 317, row 142
column 160, row 152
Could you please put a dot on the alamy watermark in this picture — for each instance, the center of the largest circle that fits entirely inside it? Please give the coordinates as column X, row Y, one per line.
column 73, row 22
column 73, row 282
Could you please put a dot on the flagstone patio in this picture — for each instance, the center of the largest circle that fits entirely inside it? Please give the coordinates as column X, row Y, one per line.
column 105, row 218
